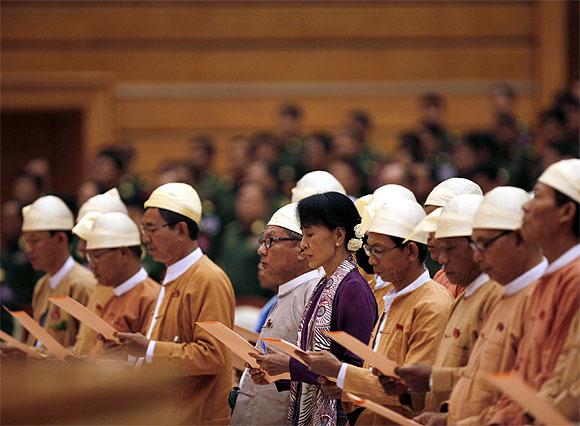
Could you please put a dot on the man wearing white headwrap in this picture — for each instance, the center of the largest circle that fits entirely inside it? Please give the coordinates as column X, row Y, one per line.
column 194, row 289
column 114, row 252
column 282, row 268
column 516, row 264
column 46, row 230
column 108, row 202
column 436, row 199
column 414, row 310
column 551, row 219
column 469, row 311
column 316, row 182
column 449, row 189
column 367, row 208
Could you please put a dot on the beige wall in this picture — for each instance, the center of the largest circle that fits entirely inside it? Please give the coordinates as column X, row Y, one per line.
column 177, row 68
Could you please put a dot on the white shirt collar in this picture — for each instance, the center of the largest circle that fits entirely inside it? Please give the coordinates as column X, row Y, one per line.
column 564, row 260
column 475, row 285
column 178, row 268
column 286, row 288
column 379, row 283
column 54, row 280
column 423, row 278
column 526, row 278
column 132, row 282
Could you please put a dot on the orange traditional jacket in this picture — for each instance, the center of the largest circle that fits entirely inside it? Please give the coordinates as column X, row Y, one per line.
column 563, row 388
column 78, row 283
column 462, row 330
column 473, row 398
column 551, row 309
column 202, row 293
column 129, row 313
column 412, row 331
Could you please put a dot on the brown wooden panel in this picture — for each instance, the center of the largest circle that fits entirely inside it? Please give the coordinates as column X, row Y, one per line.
column 72, row 21
column 473, row 62
column 325, row 113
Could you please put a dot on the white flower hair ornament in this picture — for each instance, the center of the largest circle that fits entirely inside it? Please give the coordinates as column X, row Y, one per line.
column 355, row 244
column 358, row 231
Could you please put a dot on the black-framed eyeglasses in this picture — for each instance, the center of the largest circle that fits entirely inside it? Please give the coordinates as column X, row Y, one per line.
column 376, row 252
column 149, row 230
column 484, row 245
column 268, row 242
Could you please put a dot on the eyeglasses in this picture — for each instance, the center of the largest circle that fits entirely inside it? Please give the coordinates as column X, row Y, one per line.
column 96, row 257
column 376, row 252
column 483, row 246
column 149, row 230
column 268, row 242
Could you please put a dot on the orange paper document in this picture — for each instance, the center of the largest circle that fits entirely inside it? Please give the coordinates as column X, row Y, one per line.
column 382, row 411
column 380, row 362
column 249, row 335
column 41, row 334
column 519, row 391
column 21, row 346
column 86, row 316
column 237, row 344
column 286, row 347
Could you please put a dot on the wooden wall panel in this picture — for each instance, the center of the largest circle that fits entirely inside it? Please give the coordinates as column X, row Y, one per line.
column 215, row 114
column 89, row 21
column 489, row 62
column 149, row 45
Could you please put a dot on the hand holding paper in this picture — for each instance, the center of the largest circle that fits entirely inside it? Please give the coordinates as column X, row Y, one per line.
column 237, row 345
column 288, row 348
column 323, row 363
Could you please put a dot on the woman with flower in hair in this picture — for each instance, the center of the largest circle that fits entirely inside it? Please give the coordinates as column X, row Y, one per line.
column 342, row 300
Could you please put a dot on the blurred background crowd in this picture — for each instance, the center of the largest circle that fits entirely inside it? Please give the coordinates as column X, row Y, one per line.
column 263, row 167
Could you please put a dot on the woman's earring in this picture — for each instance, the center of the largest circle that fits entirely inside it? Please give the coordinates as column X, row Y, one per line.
column 337, row 244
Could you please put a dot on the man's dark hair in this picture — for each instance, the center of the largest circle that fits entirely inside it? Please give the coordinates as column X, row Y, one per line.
column 174, row 218
column 136, row 250
column 206, row 142
column 324, row 139
column 481, row 142
column 36, row 180
column 69, row 234
column 362, row 259
column 290, row 110
column 114, row 156
column 487, row 169
column 567, row 98
column 562, row 199
column 556, row 114
column 361, row 117
column 422, row 255
column 432, row 100
column 507, row 120
column 262, row 138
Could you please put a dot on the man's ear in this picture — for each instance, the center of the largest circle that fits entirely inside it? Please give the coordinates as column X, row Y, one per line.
column 413, row 250
column 567, row 212
column 183, row 231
